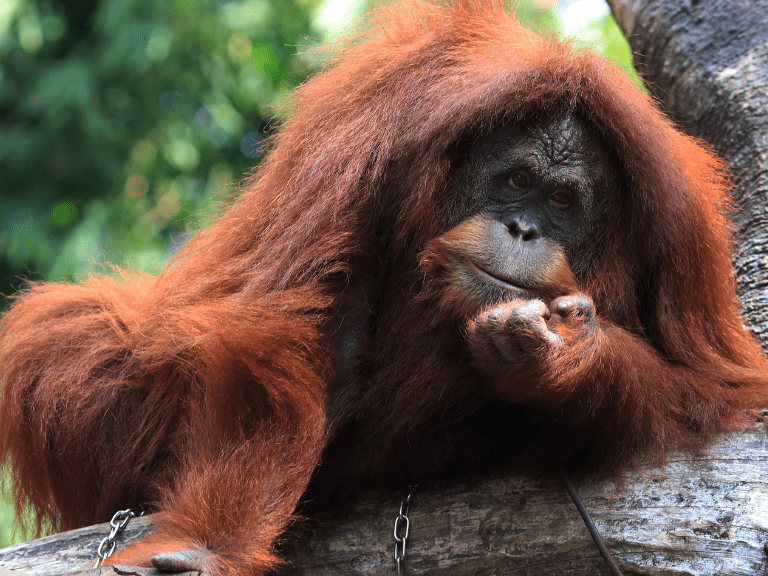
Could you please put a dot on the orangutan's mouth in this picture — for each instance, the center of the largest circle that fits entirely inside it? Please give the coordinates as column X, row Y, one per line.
column 503, row 282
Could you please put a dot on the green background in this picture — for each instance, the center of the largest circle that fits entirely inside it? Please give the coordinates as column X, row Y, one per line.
column 125, row 123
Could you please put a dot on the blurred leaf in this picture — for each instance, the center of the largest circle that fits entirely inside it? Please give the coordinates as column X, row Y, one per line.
column 137, row 104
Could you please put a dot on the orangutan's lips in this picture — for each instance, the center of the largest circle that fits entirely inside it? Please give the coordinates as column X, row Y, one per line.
column 495, row 279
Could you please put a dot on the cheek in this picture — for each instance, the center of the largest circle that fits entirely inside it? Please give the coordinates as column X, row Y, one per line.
column 580, row 245
column 457, row 288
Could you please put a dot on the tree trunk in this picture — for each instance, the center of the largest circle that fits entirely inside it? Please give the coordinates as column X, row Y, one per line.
column 707, row 62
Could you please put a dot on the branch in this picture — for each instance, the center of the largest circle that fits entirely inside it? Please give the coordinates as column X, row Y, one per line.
column 697, row 515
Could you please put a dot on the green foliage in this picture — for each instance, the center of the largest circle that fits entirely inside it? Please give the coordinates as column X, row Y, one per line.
column 6, row 523
column 536, row 16
column 603, row 35
column 122, row 119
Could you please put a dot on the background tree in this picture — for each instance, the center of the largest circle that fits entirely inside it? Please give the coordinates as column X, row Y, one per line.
column 706, row 62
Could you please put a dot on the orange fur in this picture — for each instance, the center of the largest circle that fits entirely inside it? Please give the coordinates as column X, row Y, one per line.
column 210, row 391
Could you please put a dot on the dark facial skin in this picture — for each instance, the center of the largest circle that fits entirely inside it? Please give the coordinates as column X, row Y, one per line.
column 544, row 183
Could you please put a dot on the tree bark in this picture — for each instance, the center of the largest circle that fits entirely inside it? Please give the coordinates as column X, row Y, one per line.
column 707, row 63
column 696, row 516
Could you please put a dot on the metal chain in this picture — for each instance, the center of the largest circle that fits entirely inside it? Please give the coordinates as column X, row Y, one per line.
column 403, row 530
column 118, row 523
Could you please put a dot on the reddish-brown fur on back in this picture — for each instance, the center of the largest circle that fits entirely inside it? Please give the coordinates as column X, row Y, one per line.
column 207, row 388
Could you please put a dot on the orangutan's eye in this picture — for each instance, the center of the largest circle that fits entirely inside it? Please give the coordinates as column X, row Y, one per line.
column 561, row 198
column 519, row 180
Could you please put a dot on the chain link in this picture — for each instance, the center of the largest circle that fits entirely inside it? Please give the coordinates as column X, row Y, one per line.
column 118, row 523
column 402, row 530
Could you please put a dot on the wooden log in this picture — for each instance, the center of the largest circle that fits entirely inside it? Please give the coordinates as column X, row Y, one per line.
column 699, row 515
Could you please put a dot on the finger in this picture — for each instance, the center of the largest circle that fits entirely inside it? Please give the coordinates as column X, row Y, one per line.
column 573, row 305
